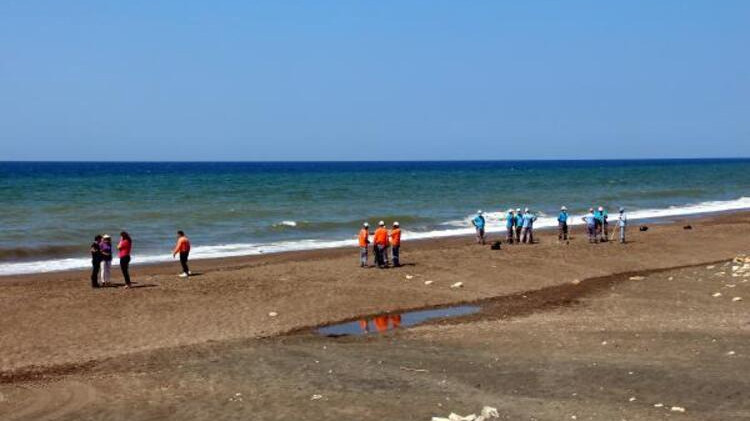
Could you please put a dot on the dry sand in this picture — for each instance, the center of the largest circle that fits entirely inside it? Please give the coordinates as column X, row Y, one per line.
column 545, row 347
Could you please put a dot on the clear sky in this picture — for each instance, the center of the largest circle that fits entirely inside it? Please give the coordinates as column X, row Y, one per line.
column 373, row 80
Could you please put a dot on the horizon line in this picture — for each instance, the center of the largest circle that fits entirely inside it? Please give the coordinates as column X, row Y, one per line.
column 373, row 161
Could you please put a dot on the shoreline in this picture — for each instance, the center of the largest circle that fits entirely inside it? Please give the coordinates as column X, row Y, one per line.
column 315, row 252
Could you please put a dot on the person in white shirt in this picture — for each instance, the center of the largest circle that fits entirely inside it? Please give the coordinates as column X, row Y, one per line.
column 622, row 221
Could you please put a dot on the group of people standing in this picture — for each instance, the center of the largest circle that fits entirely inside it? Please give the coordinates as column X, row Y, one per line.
column 382, row 241
column 101, row 259
column 102, row 252
column 520, row 225
column 597, row 224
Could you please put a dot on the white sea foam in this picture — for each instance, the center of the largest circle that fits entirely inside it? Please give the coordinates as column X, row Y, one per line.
column 495, row 223
column 286, row 224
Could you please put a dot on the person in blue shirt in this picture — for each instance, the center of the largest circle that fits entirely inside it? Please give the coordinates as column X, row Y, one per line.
column 590, row 221
column 528, row 227
column 562, row 224
column 510, row 225
column 519, row 224
column 478, row 223
column 605, row 224
column 599, row 220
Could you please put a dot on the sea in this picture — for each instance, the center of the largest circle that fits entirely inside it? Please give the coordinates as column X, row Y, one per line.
column 50, row 211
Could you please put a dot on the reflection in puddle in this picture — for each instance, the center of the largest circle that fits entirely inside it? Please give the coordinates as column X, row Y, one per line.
column 386, row 322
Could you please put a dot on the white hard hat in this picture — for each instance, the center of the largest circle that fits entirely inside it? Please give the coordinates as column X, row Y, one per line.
column 510, row 209
column 526, row 210
column 563, row 208
column 518, row 209
column 381, row 223
column 105, row 237
column 395, row 224
column 601, row 208
column 365, row 224
column 622, row 209
column 479, row 212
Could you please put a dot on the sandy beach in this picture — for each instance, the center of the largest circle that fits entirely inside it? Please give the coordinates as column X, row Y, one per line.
column 563, row 332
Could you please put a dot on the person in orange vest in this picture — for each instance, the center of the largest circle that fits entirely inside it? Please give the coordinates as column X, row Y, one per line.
column 381, row 242
column 364, row 241
column 183, row 248
column 396, row 243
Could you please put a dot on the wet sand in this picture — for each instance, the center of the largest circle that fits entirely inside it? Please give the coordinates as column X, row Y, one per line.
column 544, row 346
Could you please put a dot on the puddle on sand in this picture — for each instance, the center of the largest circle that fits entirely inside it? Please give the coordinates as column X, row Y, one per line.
column 386, row 322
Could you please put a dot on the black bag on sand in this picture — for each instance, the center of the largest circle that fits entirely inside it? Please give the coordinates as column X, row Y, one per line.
column 643, row 228
column 495, row 245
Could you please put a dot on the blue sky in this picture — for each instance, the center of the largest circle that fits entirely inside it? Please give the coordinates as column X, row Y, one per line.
column 356, row 80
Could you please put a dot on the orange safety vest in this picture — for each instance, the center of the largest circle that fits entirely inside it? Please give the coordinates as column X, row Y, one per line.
column 396, row 237
column 381, row 236
column 364, row 239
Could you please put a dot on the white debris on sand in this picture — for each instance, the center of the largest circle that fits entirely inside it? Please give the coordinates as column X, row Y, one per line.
column 637, row 278
column 458, row 285
column 316, row 397
column 658, row 405
column 716, row 294
column 487, row 413
column 428, row 282
column 409, row 276
column 709, row 267
column 730, row 353
column 677, row 409
column 273, row 314
column 735, row 299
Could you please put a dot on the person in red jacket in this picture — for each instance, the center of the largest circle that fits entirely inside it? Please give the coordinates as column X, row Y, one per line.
column 396, row 243
column 381, row 242
column 183, row 248
column 364, row 241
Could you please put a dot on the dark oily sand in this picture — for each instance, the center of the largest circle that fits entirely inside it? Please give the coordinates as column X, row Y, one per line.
column 386, row 322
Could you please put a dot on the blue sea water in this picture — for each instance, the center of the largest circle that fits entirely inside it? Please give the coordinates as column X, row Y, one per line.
column 50, row 211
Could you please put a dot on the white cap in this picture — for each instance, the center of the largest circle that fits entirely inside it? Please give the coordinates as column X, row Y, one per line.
column 601, row 208
column 622, row 209
column 526, row 210
column 105, row 237
column 395, row 224
column 510, row 209
column 518, row 209
column 563, row 208
column 479, row 212
column 365, row 224
column 591, row 209
column 381, row 223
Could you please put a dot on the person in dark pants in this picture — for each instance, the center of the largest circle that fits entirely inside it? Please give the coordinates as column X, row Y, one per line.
column 125, row 246
column 562, row 225
column 182, row 247
column 396, row 244
column 96, row 260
